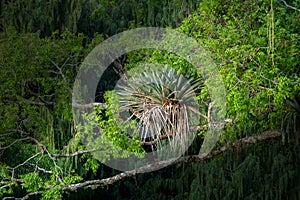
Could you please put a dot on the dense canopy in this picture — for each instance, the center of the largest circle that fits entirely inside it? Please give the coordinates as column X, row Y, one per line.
column 43, row 152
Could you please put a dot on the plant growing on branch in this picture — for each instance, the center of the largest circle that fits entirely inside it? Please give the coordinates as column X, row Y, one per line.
column 163, row 102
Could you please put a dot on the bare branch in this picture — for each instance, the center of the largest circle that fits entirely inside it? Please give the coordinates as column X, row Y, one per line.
column 187, row 159
column 291, row 7
column 192, row 158
column 89, row 105
column 22, row 139
column 19, row 165
column 243, row 142
column 40, row 103
column 13, row 131
column 101, row 182
column 210, row 106
column 37, row 103
column 14, row 142
column 18, row 131
column 60, row 69
column 202, row 115
column 44, row 149
column 41, row 169
column 38, row 143
column 74, row 153
column 25, row 197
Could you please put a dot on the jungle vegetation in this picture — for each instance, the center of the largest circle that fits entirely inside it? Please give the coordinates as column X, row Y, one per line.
column 256, row 48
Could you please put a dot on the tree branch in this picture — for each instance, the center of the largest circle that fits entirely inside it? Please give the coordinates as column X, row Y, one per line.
column 44, row 149
column 23, row 163
column 291, row 7
column 15, row 131
column 89, row 105
column 101, row 182
column 27, row 196
column 36, row 103
column 14, row 142
column 75, row 153
column 38, row 168
column 60, row 71
column 187, row 159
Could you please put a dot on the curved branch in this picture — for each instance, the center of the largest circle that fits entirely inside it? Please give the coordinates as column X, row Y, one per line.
column 187, row 159
column 74, row 153
column 14, row 142
column 27, row 196
column 291, row 7
column 20, row 165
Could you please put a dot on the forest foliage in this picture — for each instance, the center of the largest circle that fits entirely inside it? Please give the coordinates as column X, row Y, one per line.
column 255, row 45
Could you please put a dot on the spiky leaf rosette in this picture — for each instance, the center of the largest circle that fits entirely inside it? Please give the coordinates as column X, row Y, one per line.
column 164, row 104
